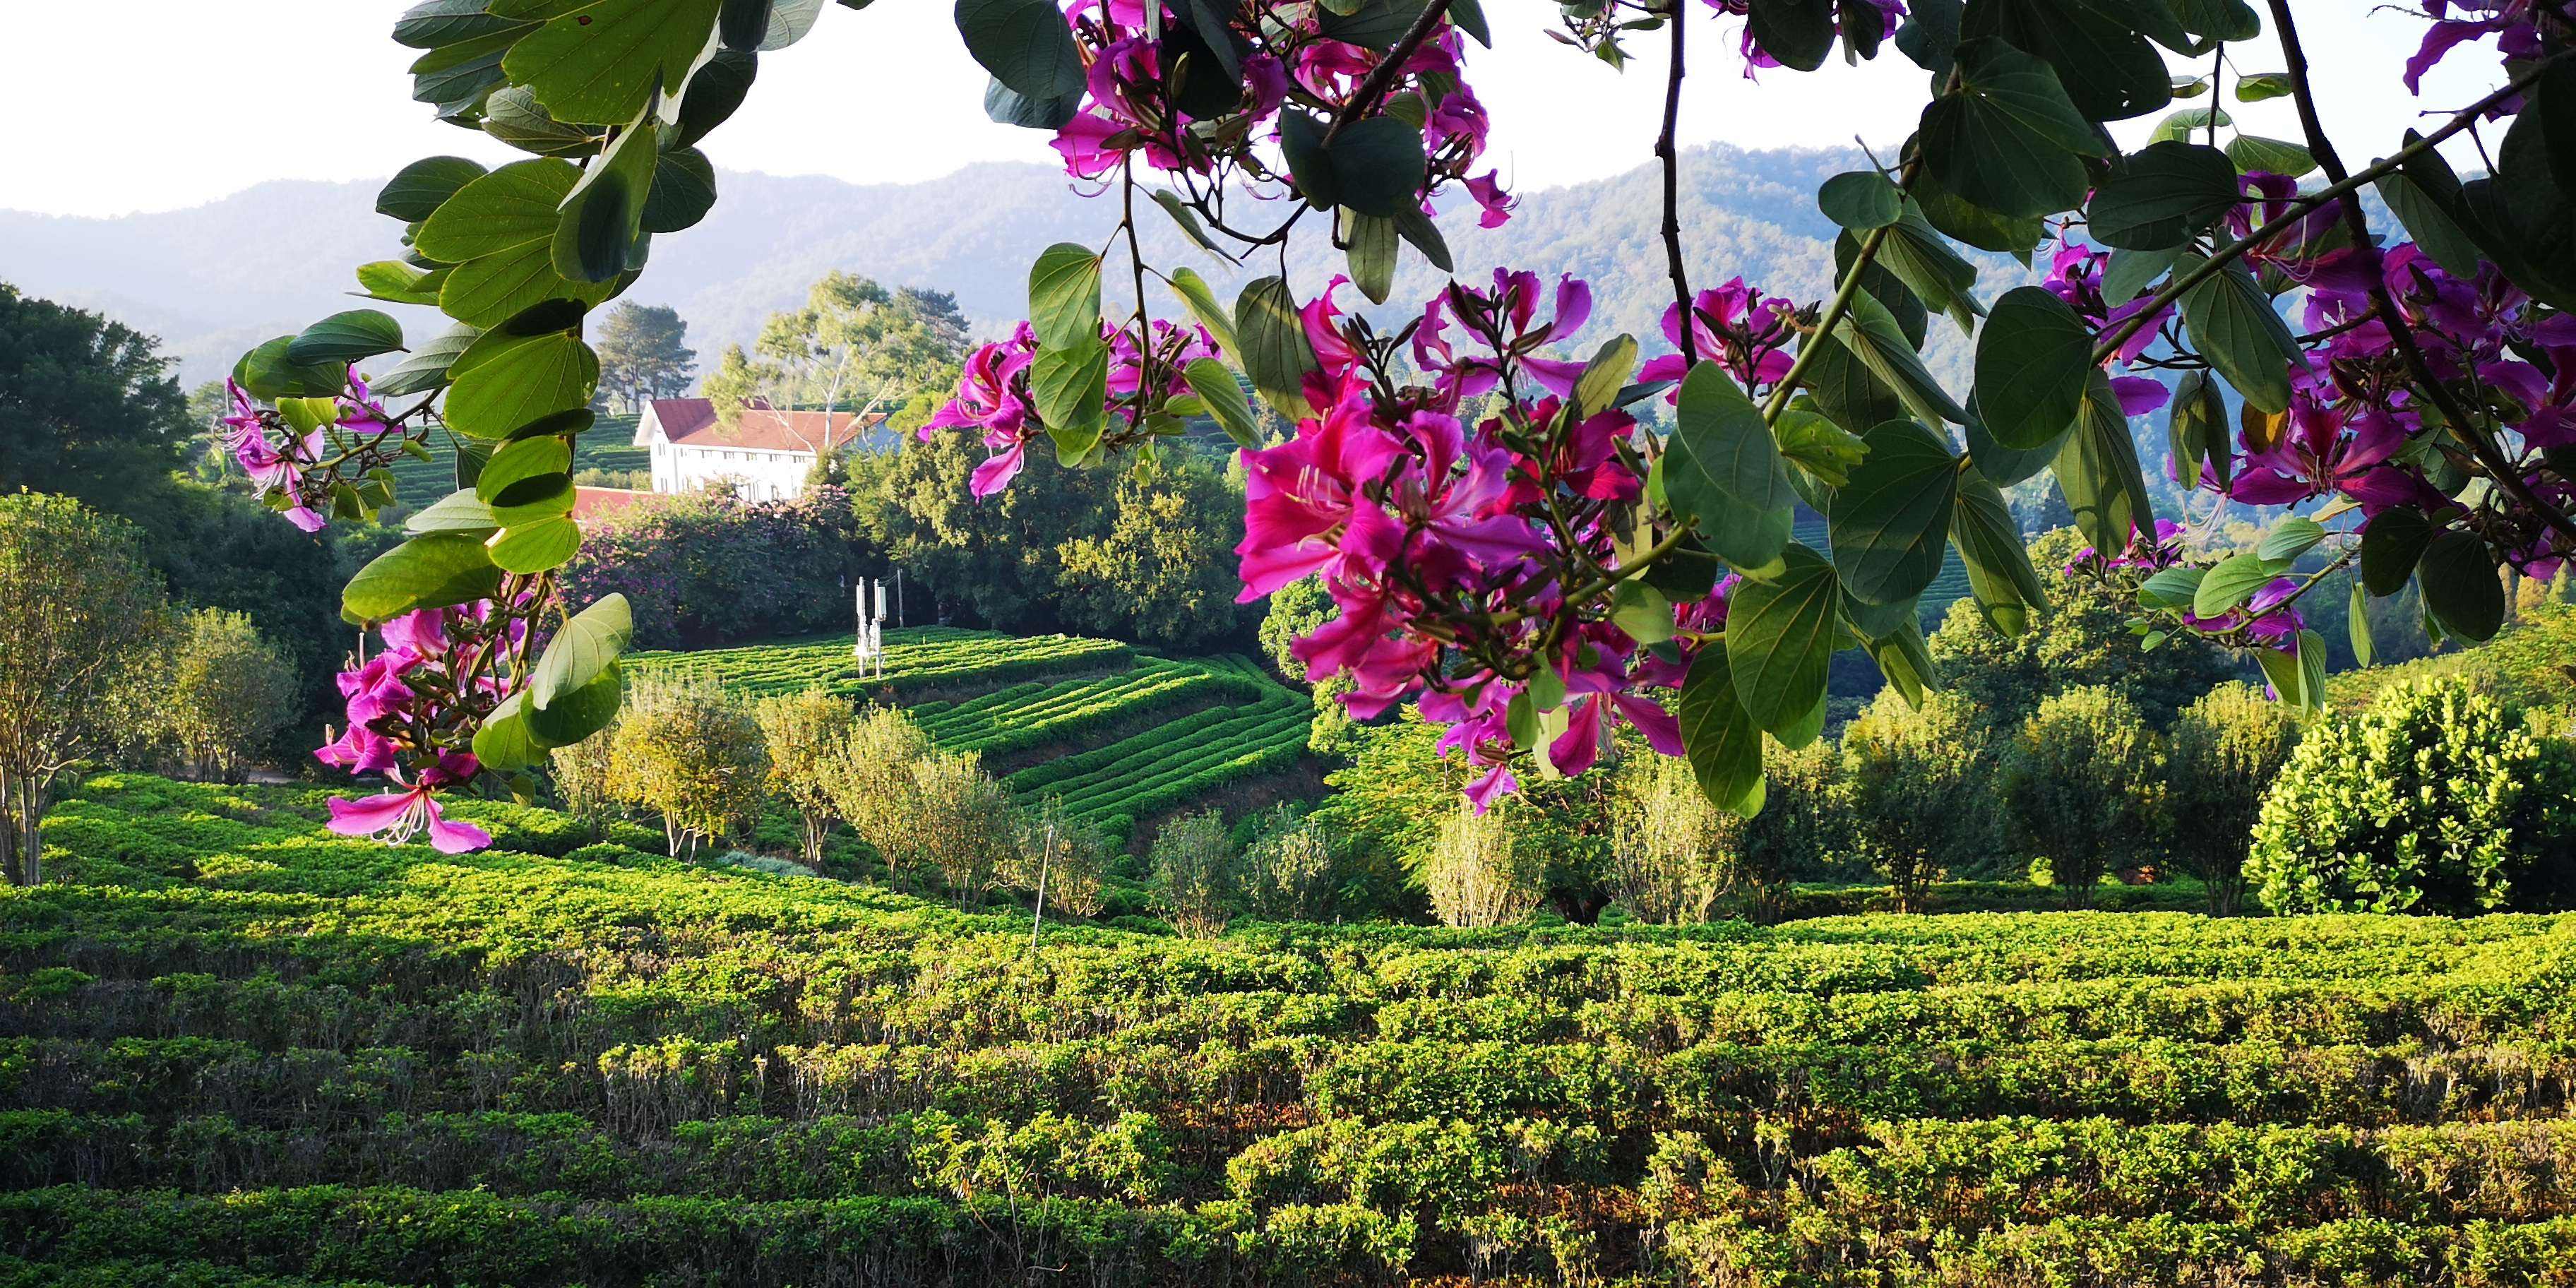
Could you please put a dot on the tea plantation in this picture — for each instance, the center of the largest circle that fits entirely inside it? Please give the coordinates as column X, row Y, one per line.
column 609, row 445
column 242, row 1051
column 1119, row 736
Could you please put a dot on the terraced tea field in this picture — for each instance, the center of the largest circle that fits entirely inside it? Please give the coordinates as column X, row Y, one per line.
column 239, row 1052
column 1120, row 736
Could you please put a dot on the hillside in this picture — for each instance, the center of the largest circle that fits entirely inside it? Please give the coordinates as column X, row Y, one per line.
column 1122, row 737
column 240, row 1051
column 213, row 280
column 2528, row 664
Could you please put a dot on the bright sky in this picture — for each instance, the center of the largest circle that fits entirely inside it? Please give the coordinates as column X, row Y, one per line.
column 179, row 102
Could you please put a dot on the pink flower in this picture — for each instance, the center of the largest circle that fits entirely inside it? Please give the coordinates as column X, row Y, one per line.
column 1487, row 190
column 398, row 816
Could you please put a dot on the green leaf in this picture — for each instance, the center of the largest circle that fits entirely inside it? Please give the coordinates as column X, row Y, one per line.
column 1275, row 352
column 580, row 713
column 505, row 742
column 1211, row 316
column 396, row 282
column 1905, row 658
column 537, row 545
column 2097, row 48
column 1860, row 200
column 514, row 116
column 2391, row 545
column 2127, row 273
column 1989, row 543
column 2262, row 85
column 1188, row 220
column 2218, row 19
column 1871, row 333
column 1597, row 389
column 1025, row 44
column 2097, row 472
column 2290, row 538
column 1214, row 383
column 426, row 368
column 2160, row 198
column 2189, row 121
column 1642, row 612
column 2034, row 357
column 266, row 373
column 713, row 95
column 1372, row 253
column 2434, row 230
column 2173, row 587
column 604, row 213
column 1888, row 525
column 1377, row 165
column 1958, row 218
column 2226, row 587
column 683, row 191
column 429, row 571
column 526, row 480
column 602, row 63
column 2196, row 428
column 2253, row 152
column 1724, row 471
column 1723, row 744
column 1422, row 234
column 492, row 289
column 2232, row 324
column 1817, row 445
column 1916, row 253
column 458, row 511
column 2006, row 137
column 344, row 338
column 435, row 23
column 1070, row 387
column 2461, row 589
column 1373, row 25
column 415, row 191
column 1301, row 142
column 1780, row 636
column 503, row 381
column 582, row 651
column 2357, row 622
column 2298, row 675
column 1064, row 296
column 504, row 210
column 1799, row 33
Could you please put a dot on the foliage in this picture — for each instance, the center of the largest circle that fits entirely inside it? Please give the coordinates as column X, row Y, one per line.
column 2226, row 752
column 582, row 776
column 1061, row 861
column 873, row 789
column 854, row 344
column 1196, row 862
column 959, row 822
column 644, row 354
column 2084, row 786
column 708, row 566
column 1292, row 870
column 227, row 692
column 82, row 621
column 1160, row 575
column 1669, row 852
column 2080, row 639
column 691, row 752
column 1916, row 788
column 1481, row 871
column 1801, row 825
column 92, row 409
column 2436, row 798
column 806, row 736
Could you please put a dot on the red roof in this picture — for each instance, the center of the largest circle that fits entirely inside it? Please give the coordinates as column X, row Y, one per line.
column 692, row 422
column 599, row 502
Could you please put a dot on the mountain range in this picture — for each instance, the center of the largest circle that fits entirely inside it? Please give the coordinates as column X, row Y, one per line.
column 213, row 280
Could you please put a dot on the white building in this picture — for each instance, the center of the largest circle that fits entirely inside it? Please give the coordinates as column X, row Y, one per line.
column 763, row 456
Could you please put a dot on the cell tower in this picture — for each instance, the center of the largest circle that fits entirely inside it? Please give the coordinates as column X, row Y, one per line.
column 869, row 645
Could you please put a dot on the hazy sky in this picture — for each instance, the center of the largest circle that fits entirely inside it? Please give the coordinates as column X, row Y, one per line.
column 178, row 102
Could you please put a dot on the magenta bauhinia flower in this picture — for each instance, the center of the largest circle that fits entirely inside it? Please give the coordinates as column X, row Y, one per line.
column 399, row 815
column 1734, row 325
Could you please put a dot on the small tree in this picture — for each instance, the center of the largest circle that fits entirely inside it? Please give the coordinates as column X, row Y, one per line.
column 1195, row 858
column 2083, row 786
column 1291, row 868
column 690, row 751
column 806, row 735
column 230, row 691
column 1670, row 856
column 963, row 822
column 1916, row 788
column 2228, row 749
column 1061, row 860
column 872, row 788
column 1800, row 820
column 81, row 623
column 582, row 778
column 2437, row 798
column 1479, row 876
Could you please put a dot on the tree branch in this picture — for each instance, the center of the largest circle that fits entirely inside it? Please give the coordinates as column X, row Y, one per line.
column 2507, row 474
column 1383, row 76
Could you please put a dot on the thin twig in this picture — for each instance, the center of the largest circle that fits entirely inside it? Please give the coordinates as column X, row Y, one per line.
column 1667, row 153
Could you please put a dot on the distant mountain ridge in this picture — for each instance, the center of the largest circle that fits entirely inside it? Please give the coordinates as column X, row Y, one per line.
column 213, row 280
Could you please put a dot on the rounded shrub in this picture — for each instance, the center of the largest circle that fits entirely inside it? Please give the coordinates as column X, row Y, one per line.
column 2437, row 798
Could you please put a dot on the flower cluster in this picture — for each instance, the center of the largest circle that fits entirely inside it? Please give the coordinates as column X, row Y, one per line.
column 1737, row 326
column 309, row 450
column 993, row 395
column 411, row 707
column 1162, row 93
